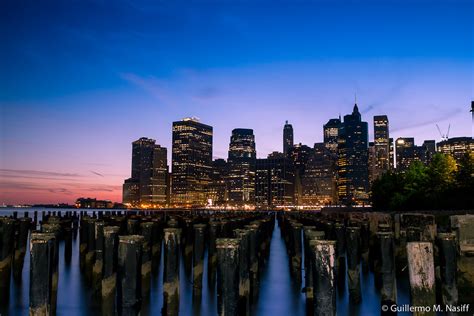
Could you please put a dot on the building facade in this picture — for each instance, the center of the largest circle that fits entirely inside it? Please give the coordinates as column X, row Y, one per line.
column 287, row 138
column 318, row 181
column 147, row 186
column 381, row 146
column 191, row 162
column 352, row 161
column 241, row 167
column 274, row 181
column 456, row 147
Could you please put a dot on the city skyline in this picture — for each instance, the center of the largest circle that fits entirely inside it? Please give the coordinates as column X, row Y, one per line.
column 74, row 95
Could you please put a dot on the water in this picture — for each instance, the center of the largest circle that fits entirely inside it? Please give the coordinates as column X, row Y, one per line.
column 279, row 295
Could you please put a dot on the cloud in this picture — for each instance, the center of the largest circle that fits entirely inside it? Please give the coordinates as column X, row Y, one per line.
column 153, row 86
column 438, row 119
column 97, row 174
column 37, row 173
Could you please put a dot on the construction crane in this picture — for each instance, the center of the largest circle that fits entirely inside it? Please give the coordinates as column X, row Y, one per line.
column 443, row 136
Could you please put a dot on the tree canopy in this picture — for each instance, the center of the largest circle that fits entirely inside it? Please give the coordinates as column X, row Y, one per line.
column 442, row 184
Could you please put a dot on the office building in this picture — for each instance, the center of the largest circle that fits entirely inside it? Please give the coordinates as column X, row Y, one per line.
column 241, row 167
column 147, row 186
column 191, row 162
column 287, row 138
column 274, row 181
column 456, row 147
column 352, row 161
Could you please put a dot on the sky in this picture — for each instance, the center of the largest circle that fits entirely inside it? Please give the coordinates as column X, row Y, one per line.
column 81, row 80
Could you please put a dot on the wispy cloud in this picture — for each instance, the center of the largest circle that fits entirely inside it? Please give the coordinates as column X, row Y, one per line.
column 30, row 173
column 152, row 85
column 432, row 121
column 97, row 173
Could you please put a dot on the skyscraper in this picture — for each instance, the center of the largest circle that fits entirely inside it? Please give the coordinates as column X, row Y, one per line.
column 318, row 181
column 191, row 162
column 287, row 138
column 274, row 181
column 241, row 163
column 352, row 159
column 456, row 147
column 331, row 134
column 299, row 155
column 405, row 152
column 217, row 187
column 381, row 145
column 147, row 186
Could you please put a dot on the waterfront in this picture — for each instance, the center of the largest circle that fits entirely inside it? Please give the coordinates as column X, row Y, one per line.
column 279, row 294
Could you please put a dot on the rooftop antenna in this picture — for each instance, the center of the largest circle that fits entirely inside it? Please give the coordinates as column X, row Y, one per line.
column 443, row 136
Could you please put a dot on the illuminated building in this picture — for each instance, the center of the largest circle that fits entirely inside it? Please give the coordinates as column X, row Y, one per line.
column 318, row 182
column 352, row 161
column 299, row 155
column 373, row 170
column 191, row 162
column 241, row 163
column 217, row 187
column 331, row 134
column 381, row 146
column 287, row 138
column 147, row 186
column 405, row 152
column 274, row 181
column 392, row 154
column 456, row 147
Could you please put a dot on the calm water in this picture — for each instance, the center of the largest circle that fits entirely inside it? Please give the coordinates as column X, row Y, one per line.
column 278, row 293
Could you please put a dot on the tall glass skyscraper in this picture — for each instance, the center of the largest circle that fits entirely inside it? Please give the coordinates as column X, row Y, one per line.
column 381, row 145
column 287, row 138
column 191, row 162
column 352, row 162
column 241, row 164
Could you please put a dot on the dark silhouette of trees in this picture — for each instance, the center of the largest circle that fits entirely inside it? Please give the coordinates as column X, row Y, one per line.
column 442, row 184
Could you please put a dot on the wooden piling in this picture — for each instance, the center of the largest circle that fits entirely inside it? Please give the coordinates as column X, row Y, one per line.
column 228, row 276
column 129, row 274
column 353, row 264
column 324, row 254
column 422, row 275
column 171, row 271
column 110, row 260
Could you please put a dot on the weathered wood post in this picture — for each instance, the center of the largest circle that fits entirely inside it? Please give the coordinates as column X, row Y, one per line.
column 244, row 271
column 54, row 230
column 340, row 231
column 198, row 261
column 99, row 257
column 310, row 233
column 129, row 274
column 41, row 269
column 228, row 276
column 6, row 249
column 422, row 275
column 448, row 265
column 156, row 246
column 109, row 281
column 147, row 232
column 171, row 272
column 389, row 284
column 24, row 225
column 353, row 263
column 296, row 251
column 253, row 258
column 324, row 254
column 212, row 255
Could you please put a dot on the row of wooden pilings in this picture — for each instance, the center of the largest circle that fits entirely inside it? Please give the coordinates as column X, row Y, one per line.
column 438, row 260
column 120, row 251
